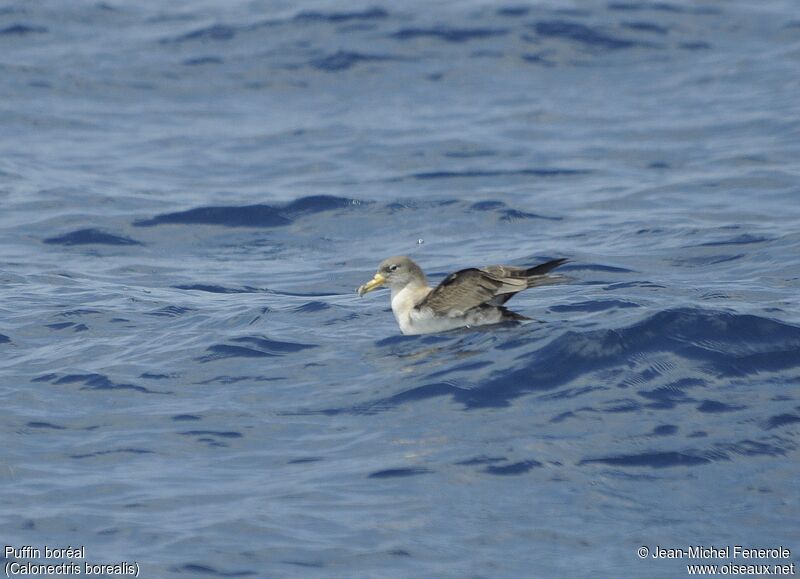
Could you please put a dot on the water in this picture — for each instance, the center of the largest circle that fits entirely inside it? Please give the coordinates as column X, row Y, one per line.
column 192, row 191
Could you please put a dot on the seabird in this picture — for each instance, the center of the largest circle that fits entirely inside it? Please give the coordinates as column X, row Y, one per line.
column 469, row 297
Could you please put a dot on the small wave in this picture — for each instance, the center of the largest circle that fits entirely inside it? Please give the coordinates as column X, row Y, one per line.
column 216, row 289
column 216, row 32
column 91, row 237
column 512, row 469
column 344, row 60
column 477, row 173
column 261, row 215
column 257, row 347
column 22, row 30
column 646, row 27
column 338, row 17
column 455, row 35
column 100, row 382
column 583, row 34
column 194, row 569
column 399, row 472
column 650, row 459
column 45, row 425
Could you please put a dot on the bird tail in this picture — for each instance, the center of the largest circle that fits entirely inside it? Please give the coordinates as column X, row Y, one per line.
column 538, row 275
column 545, row 267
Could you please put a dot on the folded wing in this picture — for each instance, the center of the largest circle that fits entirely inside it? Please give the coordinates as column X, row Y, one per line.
column 493, row 285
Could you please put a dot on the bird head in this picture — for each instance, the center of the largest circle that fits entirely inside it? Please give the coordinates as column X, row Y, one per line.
column 396, row 273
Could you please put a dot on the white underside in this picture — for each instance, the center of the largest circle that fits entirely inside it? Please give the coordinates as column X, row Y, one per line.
column 423, row 321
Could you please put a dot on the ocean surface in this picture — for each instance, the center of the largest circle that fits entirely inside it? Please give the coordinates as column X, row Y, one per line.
column 191, row 191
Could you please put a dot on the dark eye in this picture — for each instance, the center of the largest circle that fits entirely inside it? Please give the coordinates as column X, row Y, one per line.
column 393, row 267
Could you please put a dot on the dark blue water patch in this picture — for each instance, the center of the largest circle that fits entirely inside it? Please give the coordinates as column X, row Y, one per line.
column 101, row 382
column 478, row 460
column 781, row 420
column 22, row 30
column 310, row 307
column 506, row 213
column 185, row 417
column 78, row 312
column 650, row 459
column 171, row 311
column 646, row 27
column 218, row 433
column 707, row 260
column 744, row 239
column 512, row 469
column 399, row 472
column 152, row 376
column 416, row 394
column 224, row 351
column 81, row 328
column 308, row 460
column 538, row 58
column 594, row 306
column 273, row 346
column 91, row 237
column 470, row 154
column 585, row 35
column 4, row 339
column 260, row 215
column 45, row 425
column 115, row 451
column 306, row 564
column 344, row 60
column 714, row 406
column 194, row 569
column 60, row 325
column 636, row 6
column 512, row 11
column 216, row 32
column 487, row 205
column 479, row 173
column 217, row 289
column 202, row 61
column 448, row 34
column 664, row 430
column 633, row 284
column 700, row 45
column 339, row 17
column 234, row 379
column 45, row 378
column 241, row 216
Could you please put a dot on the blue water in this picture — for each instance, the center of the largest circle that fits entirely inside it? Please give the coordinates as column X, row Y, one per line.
column 192, row 191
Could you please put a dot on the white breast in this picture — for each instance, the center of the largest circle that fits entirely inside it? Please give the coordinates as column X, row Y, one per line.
column 423, row 321
column 403, row 303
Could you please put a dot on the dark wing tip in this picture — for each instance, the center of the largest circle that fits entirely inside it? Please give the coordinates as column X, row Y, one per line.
column 545, row 267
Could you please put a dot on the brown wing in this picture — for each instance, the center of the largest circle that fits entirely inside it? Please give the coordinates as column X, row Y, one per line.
column 493, row 285
column 468, row 288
